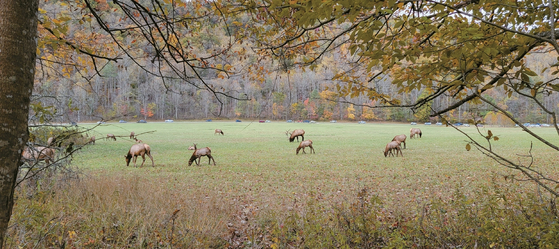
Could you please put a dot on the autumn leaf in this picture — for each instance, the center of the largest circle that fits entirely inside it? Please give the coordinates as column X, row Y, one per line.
column 489, row 134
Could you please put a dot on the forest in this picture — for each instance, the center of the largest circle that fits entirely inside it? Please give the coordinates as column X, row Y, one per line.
column 70, row 87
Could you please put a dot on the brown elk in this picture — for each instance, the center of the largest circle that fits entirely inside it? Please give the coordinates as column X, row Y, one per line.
column 303, row 144
column 91, row 140
column 394, row 145
column 296, row 134
column 132, row 135
column 415, row 131
column 199, row 153
column 111, row 136
column 218, row 131
column 401, row 139
column 139, row 150
column 38, row 153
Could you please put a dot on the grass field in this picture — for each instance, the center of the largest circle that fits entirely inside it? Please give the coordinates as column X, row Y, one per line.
column 259, row 179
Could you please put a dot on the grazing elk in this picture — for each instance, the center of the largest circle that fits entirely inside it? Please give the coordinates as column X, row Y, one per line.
column 415, row 131
column 401, row 139
column 139, row 150
column 296, row 134
column 38, row 153
column 218, row 131
column 199, row 153
column 111, row 136
column 133, row 136
column 303, row 144
column 394, row 145
column 91, row 140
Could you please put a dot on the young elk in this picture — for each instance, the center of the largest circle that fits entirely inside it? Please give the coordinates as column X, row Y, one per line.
column 218, row 131
column 415, row 131
column 296, row 134
column 198, row 153
column 139, row 150
column 111, row 136
column 91, row 140
column 132, row 135
column 401, row 139
column 38, row 153
column 303, row 144
column 394, row 145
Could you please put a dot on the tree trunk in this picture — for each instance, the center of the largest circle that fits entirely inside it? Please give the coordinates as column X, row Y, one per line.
column 18, row 33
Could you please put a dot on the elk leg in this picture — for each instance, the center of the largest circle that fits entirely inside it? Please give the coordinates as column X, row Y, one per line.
column 211, row 157
column 134, row 159
column 150, row 157
column 143, row 157
column 312, row 149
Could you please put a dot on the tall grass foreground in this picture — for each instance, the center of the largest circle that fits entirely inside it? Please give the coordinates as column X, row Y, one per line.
column 262, row 195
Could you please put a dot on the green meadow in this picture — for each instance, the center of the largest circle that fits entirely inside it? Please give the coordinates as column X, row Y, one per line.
column 261, row 194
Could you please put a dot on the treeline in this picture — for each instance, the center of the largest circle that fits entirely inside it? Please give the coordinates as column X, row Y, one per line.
column 128, row 89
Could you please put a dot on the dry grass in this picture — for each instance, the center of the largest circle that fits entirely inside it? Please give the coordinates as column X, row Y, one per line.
column 258, row 182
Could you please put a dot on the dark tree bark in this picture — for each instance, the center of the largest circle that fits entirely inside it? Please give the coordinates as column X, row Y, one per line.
column 18, row 45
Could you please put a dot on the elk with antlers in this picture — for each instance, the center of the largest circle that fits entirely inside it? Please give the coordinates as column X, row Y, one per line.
column 296, row 134
column 198, row 153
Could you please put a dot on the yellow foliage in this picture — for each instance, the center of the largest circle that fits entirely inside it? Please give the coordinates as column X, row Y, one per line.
column 368, row 114
column 327, row 95
column 351, row 112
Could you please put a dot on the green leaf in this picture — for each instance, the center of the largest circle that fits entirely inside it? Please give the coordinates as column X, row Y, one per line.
column 555, row 87
column 530, row 72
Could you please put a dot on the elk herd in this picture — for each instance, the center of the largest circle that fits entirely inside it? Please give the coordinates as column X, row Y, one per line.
column 47, row 153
